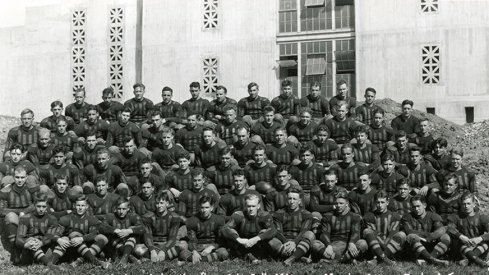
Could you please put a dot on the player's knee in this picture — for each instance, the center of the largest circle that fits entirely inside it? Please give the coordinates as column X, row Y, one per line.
column 316, row 246
column 182, row 244
column 101, row 239
column 308, row 235
column 75, row 234
column 12, row 218
column 445, row 238
column 368, row 231
column 401, row 236
column 222, row 253
column 140, row 250
column 182, row 232
column 412, row 238
column 361, row 245
column 275, row 244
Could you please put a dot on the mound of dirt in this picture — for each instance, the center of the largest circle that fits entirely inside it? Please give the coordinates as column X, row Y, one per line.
column 6, row 122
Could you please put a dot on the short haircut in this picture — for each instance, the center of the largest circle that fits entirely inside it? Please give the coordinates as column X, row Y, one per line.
column 154, row 113
column 198, row 172
column 183, row 155
column 286, row 82
column 163, row 196
column 363, row 172
column 195, row 84
column 253, row 84
column 296, row 189
column 343, row 194
column 415, row 149
column 206, row 199
column 341, row 82
column 213, row 131
column 362, row 129
column 305, row 110
column 282, row 168
column 315, row 84
column 330, row 172
column 20, row 169
column 92, row 108
column 40, row 197
column 126, row 110
column 403, row 182
column 26, row 111
column 268, row 109
column 242, row 127
column 80, row 90
column 400, row 134
column 342, row 103
column 259, row 147
column 280, row 129
column 420, row 198
column 108, row 91
column 306, row 148
column 249, row 197
column 451, row 176
column 381, row 194
column 60, row 119
column 139, row 84
column 239, row 172
column 322, row 128
column 225, row 150
column 407, row 102
column 347, row 146
column 60, row 177
column 145, row 161
column 17, row 146
column 127, row 139
column 44, row 131
column 101, row 178
column 379, row 111
column 386, row 157
column 229, row 108
column 121, row 200
column 220, row 87
column 56, row 103
column 60, row 148
column 457, row 151
column 468, row 195
column 167, row 130
column 424, row 119
column 166, row 88
column 102, row 151
column 370, row 89
column 81, row 198
column 439, row 141
column 91, row 133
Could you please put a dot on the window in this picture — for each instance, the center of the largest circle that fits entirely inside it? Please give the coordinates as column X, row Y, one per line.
column 210, row 74
column 317, row 49
column 344, row 16
column 316, row 15
column 430, row 110
column 429, row 6
column 211, row 14
column 344, row 2
column 116, row 51
column 430, row 58
column 314, row 3
column 287, row 16
column 345, row 61
column 78, row 46
column 288, row 64
column 316, row 65
column 469, row 114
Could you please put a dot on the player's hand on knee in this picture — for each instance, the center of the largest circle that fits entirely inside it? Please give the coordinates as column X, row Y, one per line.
column 329, row 252
column 64, row 243
column 154, row 256
column 352, row 248
column 196, row 257
column 76, row 241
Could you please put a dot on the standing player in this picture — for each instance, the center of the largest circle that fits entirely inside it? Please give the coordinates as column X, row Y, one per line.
column 79, row 109
column 316, row 102
column 139, row 105
column 287, row 104
column 363, row 152
column 276, row 198
column 280, row 152
column 109, row 109
column 341, row 127
column 25, row 134
column 342, row 95
column 120, row 129
column 250, row 108
column 57, row 110
column 378, row 133
column 406, row 121
column 40, row 153
column 365, row 112
column 169, row 109
column 196, row 105
column 92, row 124
column 265, row 130
column 216, row 107
column 348, row 170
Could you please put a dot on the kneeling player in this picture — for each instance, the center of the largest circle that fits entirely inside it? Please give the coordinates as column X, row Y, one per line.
column 471, row 229
column 36, row 231
column 382, row 233
column 294, row 236
column 80, row 230
column 204, row 235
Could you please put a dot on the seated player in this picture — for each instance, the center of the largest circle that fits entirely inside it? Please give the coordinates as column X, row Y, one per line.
column 276, row 198
column 190, row 136
column 400, row 150
column 294, row 236
column 36, row 232
column 365, row 112
column 48, row 173
column 307, row 173
column 363, row 195
column 128, row 160
column 401, row 201
column 79, row 232
column 382, row 231
column 406, row 121
column 79, row 109
column 287, row 104
column 215, row 113
column 169, row 109
column 180, row 179
column 250, row 108
column 187, row 200
column 222, row 176
column 139, row 105
column 424, row 137
column 204, row 235
column 339, row 239
column 422, row 176
column 57, row 110
column 305, row 129
column 378, row 133
column 325, row 149
column 196, row 105
column 109, row 109
column 265, row 130
column 448, row 200
column 102, row 202
column 259, row 172
column 235, row 199
column 439, row 158
column 318, row 104
column 14, row 204
column 342, row 95
column 93, row 124
column 144, row 201
column 227, row 129
column 123, row 230
column 363, row 152
column 115, row 178
column 341, row 127
column 151, row 135
column 87, row 153
column 147, row 173
column 25, row 134
column 61, row 203
column 389, row 176
column 323, row 197
column 61, row 137
column 120, row 129
column 466, row 177
column 40, row 153
column 426, row 235
column 249, row 231
column 243, row 147
column 166, row 156
column 7, row 168
column 347, row 170
column 207, row 154
column 281, row 152
column 469, row 230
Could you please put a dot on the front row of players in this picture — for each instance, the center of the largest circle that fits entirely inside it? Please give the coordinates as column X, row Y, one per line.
column 210, row 234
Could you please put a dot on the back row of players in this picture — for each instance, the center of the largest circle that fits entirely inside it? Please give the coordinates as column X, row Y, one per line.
column 294, row 177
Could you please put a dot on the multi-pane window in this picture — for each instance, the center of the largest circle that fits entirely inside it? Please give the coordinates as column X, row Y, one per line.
column 116, row 51
column 211, row 14
column 429, row 6
column 430, row 59
column 345, row 62
column 78, row 48
column 287, row 16
column 317, row 65
column 288, row 64
column 316, row 15
column 344, row 16
column 210, row 66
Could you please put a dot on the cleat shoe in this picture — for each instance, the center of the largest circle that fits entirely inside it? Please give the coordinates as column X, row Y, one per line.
column 439, row 262
column 355, row 262
column 372, row 262
column 104, row 265
column 180, row 263
column 420, row 262
column 464, row 262
column 124, row 260
column 77, row 262
column 306, row 260
column 289, row 261
column 325, row 261
column 252, row 259
column 388, row 261
column 133, row 259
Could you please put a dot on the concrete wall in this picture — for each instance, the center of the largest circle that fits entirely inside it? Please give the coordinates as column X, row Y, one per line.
column 389, row 37
column 174, row 44
column 35, row 47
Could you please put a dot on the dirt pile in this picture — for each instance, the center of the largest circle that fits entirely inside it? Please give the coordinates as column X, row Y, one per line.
column 6, row 122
